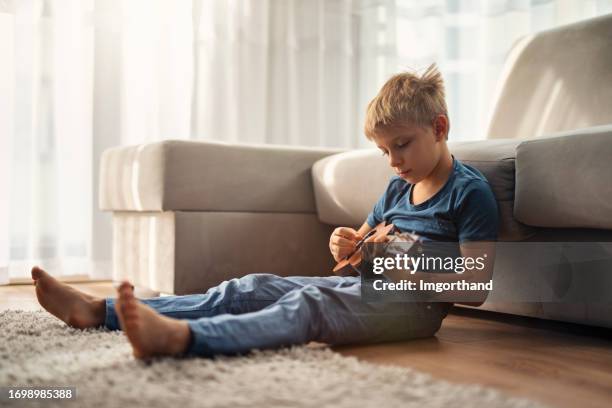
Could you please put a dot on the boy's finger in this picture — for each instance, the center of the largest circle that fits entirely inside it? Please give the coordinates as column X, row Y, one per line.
column 348, row 233
column 377, row 239
column 343, row 242
column 382, row 238
column 371, row 238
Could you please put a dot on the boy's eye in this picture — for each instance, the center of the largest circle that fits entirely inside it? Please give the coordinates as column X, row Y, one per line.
column 401, row 145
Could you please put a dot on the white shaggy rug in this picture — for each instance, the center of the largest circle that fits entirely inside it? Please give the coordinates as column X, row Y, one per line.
column 37, row 349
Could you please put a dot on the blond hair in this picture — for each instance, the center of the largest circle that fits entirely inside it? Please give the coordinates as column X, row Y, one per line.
column 407, row 98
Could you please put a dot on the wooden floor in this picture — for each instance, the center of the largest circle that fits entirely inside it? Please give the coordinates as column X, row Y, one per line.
column 556, row 363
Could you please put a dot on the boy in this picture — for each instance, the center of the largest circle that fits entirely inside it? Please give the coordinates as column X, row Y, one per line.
column 433, row 195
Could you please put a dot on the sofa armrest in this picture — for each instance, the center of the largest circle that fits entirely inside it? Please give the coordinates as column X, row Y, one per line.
column 208, row 176
column 563, row 181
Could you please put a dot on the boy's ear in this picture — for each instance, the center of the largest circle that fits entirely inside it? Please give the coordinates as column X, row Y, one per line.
column 440, row 127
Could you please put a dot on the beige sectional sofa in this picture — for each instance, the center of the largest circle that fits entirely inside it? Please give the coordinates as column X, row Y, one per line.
column 189, row 214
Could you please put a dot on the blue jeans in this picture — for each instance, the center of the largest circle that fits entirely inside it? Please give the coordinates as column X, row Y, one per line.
column 263, row 311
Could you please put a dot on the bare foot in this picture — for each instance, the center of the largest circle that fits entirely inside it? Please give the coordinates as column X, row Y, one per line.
column 150, row 333
column 75, row 308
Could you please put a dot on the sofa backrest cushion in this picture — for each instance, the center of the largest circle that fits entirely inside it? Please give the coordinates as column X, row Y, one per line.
column 555, row 81
column 347, row 185
column 565, row 181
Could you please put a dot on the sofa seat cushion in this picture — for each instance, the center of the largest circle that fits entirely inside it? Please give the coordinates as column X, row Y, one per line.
column 347, row 185
column 563, row 181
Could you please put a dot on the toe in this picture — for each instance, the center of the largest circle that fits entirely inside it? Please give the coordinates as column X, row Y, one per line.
column 126, row 290
column 37, row 273
column 125, row 284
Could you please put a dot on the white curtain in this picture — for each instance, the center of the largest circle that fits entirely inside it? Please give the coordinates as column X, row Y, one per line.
column 79, row 76
column 468, row 39
column 278, row 72
column 46, row 179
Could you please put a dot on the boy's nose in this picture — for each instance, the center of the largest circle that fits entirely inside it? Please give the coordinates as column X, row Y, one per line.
column 394, row 161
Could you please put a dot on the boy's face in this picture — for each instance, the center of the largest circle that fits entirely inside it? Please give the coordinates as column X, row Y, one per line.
column 413, row 151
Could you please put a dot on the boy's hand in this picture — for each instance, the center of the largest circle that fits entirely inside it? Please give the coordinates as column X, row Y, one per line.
column 342, row 242
column 373, row 251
